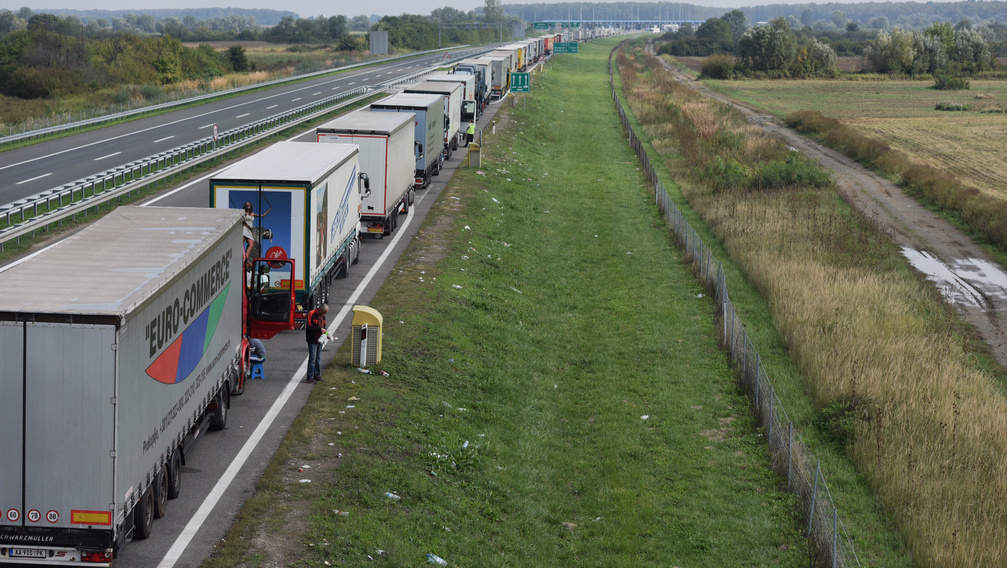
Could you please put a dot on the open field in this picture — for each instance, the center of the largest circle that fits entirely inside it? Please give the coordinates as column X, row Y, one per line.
column 972, row 145
column 555, row 393
column 913, row 396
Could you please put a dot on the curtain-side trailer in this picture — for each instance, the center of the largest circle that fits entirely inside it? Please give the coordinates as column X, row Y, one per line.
column 386, row 154
column 120, row 347
column 305, row 219
column 429, row 130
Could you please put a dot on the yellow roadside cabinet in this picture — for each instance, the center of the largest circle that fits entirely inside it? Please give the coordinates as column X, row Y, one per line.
column 366, row 336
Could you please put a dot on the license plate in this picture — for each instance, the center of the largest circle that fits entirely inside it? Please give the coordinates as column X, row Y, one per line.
column 26, row 553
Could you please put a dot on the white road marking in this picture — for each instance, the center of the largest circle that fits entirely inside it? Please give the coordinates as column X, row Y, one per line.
column 243, row 115
column 194, row 524
column 206, row 126
column 316, row 94
column 295, row 100
column 269, row 107
column 108, row 156
column 34, row 178
column 163, row 139
column 353, row 83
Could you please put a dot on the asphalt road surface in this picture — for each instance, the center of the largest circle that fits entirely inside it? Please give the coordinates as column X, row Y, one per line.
column 221, row 471
column 32, row 169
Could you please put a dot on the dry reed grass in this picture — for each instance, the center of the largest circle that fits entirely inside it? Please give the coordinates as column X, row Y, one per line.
column 930, row 430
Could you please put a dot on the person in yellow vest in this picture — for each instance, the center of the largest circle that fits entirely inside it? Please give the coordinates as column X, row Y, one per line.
column 470, row 133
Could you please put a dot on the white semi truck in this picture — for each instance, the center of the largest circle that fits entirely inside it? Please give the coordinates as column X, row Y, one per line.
column 428, row 131
column 305, row 219
column 120, row 346
column 386, row 154
column 452, row 93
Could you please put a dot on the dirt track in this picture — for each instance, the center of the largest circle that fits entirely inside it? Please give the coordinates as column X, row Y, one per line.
column 961, row 270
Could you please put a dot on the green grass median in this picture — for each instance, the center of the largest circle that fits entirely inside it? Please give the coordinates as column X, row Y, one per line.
column 554, row 396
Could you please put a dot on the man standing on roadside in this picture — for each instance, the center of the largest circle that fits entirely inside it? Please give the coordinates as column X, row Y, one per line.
column 313, row 331
column 470, row 132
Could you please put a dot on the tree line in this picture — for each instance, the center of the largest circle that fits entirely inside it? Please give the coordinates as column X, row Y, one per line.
column 43, row 55
column 777, row 50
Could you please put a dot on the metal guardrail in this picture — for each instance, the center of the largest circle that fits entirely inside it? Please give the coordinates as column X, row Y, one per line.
column 36, row 212
column 28, row 215
column 76, row 125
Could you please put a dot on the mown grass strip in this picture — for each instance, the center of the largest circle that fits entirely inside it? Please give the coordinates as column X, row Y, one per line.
column 556, row 395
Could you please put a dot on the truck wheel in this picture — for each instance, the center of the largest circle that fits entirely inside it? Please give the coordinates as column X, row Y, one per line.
column 355, row 246
column 175, row 475
column 403, row 207
column 161, row 494
column 218, row 420
column 412, row 195
column 143, row 516
column 389, row 225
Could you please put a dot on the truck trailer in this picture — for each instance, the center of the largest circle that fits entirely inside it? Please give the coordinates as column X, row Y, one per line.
column 306, row 206
column 500, row 65
column 471, row 111
column 429, row 130
column 386, row 154
column 452, row 93
column 482, row 71
column 120, row 346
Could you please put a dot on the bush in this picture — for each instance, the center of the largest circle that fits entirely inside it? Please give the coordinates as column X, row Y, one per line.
column 726, row 174
column 948, row 82
column 952, row 106
column 718, row 67
column 151, row 92
column 795, row 170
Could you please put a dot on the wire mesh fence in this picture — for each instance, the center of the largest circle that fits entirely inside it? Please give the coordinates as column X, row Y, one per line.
column 827, row 535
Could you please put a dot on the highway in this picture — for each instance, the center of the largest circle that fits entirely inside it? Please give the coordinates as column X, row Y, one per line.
column 221, row 471
column 32, row 169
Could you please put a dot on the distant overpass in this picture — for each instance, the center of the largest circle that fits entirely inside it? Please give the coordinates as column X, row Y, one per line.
column 613, row 23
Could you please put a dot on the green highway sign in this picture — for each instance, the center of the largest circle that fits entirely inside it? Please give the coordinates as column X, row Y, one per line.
column 541, row 25
column 520, row 82
column 571, row 24
column 564, row 47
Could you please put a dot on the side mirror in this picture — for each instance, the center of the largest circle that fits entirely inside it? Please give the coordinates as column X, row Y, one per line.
column 365, row 184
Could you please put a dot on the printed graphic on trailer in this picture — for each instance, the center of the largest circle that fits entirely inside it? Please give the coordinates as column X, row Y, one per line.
column 280, row 232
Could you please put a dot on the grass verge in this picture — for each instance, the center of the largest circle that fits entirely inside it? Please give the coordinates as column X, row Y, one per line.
column 555, row 394
column 892, row 374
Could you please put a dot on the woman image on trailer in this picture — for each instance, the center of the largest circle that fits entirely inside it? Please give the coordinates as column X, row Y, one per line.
column 248, row 227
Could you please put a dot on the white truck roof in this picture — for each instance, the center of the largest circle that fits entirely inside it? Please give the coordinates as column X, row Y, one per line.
column 363, row 121
column 116, row 263
column 300, row 162
column 436, row 86
column 406, row 100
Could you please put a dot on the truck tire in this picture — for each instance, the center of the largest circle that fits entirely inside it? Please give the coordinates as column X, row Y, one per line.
column 355, row 247
column 143, row 516
column 412, row 195
column 389, row 224
column 175, row 475
column 218, row 418
column 161, row 493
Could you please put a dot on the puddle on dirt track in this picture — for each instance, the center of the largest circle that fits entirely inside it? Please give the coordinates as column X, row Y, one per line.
column 966, row 282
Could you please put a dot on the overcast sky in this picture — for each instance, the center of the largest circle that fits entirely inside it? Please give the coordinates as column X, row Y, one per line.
column 305, row 8
column 309, row 8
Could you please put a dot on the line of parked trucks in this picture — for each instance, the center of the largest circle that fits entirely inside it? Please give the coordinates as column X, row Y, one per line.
column 136, row 333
